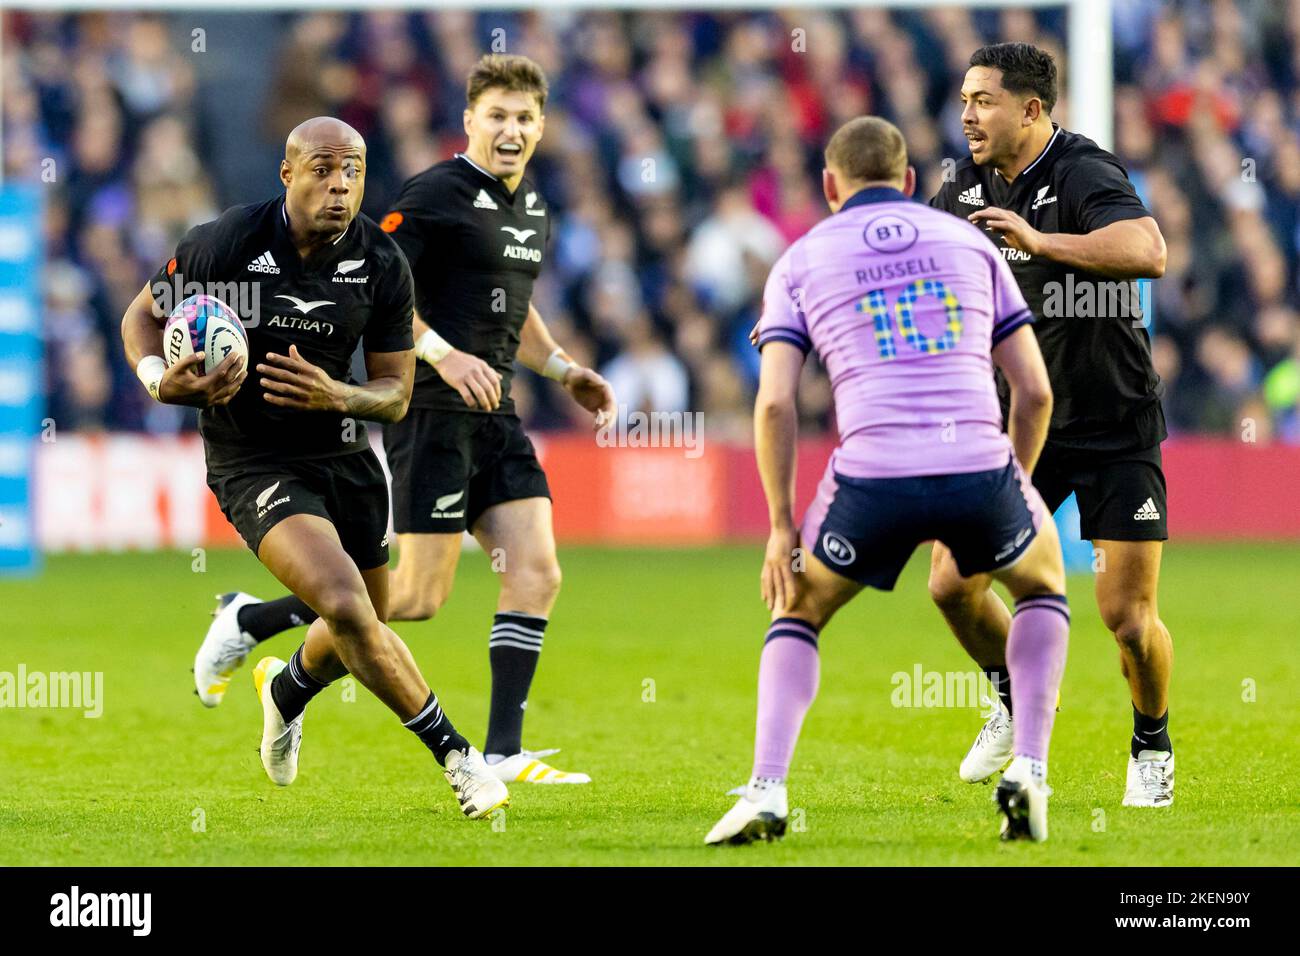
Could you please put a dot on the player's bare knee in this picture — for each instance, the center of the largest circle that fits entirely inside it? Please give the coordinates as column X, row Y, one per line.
column 1133, row 627
column 421, row 607
column 952, row 594
column 536, row 583
column 418, row 599
column 348, row 612
column 421, row 604
column 549, row 579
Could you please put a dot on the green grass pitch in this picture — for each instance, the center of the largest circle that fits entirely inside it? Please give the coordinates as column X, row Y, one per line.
column 647, row 682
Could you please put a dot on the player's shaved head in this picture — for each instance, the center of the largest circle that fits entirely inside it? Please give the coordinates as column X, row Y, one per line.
column 324, row 176
column 319, row 132
column 868, row 149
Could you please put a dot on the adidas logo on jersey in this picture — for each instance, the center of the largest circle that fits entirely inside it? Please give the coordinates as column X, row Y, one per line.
column 484, row 201
column 1147, row 512
column 973, row 196
column 264, row 263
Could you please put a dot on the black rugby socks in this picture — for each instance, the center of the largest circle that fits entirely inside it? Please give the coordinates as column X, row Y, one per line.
column 260, row 621
column 293, row 688
column 513, row 649
column 1150, row 733
column 1000, row 678
column 435, row 731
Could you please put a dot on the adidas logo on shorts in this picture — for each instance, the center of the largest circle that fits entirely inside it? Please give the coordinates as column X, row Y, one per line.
column 973, row 196
column 1147, row 512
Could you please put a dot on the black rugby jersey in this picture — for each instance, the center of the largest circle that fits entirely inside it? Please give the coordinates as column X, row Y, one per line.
column 356, row 290
column 1090, row 328
column 475, row 251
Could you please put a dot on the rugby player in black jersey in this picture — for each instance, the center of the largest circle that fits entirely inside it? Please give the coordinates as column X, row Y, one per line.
column 1070, row 225
column 474, row 229
column 287, row 456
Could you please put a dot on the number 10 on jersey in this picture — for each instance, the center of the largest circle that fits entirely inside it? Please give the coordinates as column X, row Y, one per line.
column 876, row 304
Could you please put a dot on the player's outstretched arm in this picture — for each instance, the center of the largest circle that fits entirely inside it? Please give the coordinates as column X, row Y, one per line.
column 776, row 434
column 1020, row 361
column 539, row 352
column 477, row 382
column 1129, row 249
column 184, row 383
column 290, row 381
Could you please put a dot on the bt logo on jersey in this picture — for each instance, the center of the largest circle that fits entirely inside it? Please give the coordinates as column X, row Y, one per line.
column 890, row 233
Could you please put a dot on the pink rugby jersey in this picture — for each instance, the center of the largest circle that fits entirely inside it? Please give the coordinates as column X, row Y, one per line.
column 903, row 304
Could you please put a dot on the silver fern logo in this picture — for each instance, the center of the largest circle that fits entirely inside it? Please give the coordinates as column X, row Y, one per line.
column 443, row 502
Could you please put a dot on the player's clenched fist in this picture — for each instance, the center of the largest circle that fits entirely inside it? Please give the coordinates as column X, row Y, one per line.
column 184, row 383
column 478, row 383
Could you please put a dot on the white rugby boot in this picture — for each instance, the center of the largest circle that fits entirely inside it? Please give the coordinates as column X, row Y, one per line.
column 1150, row 780
column 760, row 814
column 991, row 750
column 1023, row 801
column 528, row 767
column 224, row 648
column 281, row 739
column 477, row 789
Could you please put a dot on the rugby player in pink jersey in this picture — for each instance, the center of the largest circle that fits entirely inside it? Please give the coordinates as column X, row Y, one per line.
column 909, row 308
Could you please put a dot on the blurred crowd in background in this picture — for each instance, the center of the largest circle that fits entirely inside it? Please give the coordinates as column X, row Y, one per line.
column 682, row 154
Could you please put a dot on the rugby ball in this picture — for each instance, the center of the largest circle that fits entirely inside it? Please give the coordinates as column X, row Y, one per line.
column 204, row 324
